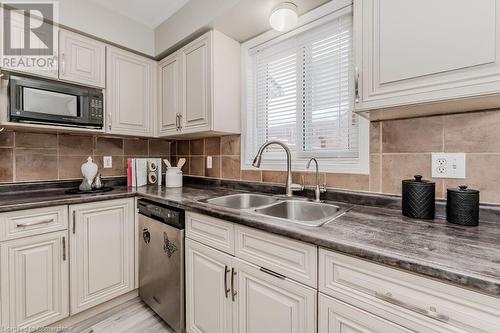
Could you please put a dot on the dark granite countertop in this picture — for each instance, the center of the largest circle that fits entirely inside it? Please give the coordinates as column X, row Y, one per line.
column 53, row 197
column 465, row 256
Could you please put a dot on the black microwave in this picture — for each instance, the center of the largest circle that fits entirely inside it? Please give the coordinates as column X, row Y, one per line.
column 42, row 101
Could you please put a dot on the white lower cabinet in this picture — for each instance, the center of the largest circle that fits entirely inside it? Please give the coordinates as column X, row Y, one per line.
column 209, row 307
column 335, row 316
column 243, row 280
column 226, row 294
column 272, row 304
column 102, row 252
column 34, row 280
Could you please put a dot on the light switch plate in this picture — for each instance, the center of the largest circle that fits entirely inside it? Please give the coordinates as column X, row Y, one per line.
column 209, row 162
column 108, row 162
column 448, row 165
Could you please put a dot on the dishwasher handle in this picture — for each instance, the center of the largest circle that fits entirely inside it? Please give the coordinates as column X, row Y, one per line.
column 146, row 235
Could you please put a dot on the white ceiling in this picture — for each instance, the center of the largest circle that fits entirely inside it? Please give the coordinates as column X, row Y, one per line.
column 250, row 18
column 148, row 12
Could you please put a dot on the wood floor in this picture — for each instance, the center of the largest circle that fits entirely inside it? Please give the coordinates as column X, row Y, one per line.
column 131, row 317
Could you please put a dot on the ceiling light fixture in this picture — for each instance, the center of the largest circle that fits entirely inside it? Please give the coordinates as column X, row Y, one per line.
column 284, row 16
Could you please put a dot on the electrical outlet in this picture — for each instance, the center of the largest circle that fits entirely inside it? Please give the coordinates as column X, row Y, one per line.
column 209, row 162
column 448, row 165
column 108, row 162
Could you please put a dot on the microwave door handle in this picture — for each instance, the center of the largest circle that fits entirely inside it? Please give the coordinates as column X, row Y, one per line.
column 19, row 100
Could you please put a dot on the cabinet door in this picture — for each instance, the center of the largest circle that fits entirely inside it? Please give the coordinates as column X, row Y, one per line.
column 34, row 275
column 130, row 93
column 82, row 59
column 209, row 308
column 424, row 51
column 339, row 317
column 170, row 86
column 17, row 38
column 196, row 82
column 101, row 251
column 270, row 304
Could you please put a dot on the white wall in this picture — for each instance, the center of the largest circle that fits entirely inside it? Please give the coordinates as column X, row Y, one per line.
column 88, row 17
column 194, row 16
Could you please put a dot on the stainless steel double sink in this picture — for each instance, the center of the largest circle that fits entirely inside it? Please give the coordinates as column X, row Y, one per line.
column 313, row 214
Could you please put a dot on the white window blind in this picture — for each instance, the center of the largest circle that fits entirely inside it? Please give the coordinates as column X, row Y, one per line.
column 302, row 93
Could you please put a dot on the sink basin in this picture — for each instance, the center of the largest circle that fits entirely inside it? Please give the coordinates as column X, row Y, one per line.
column 242, row 201
column 312, row 214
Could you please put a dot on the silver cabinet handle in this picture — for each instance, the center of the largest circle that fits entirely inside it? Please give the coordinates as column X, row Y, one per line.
column 74, row 222
column 109, row 120
column 270, row 272
column 233, row 291
column 64, row 248
column 431, row 314
column 177, row 122
column 180, row 122
column 63, row 63
column 27, row 224
column 356, row 85
column 226, row 290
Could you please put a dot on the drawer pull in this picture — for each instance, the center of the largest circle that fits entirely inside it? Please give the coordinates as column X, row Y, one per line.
column 233, row 291
column 226, row 290
column 64, row 248
column 431, row 314
column 27, row 224
column 270, row 272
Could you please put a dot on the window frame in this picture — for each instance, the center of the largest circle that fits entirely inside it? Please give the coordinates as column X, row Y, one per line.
column 310, row 20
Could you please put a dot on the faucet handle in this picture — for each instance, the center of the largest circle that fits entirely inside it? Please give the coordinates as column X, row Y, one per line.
column 322, row 188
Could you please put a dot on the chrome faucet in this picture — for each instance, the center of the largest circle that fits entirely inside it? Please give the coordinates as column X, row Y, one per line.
column 290, row 187
column 319, row 189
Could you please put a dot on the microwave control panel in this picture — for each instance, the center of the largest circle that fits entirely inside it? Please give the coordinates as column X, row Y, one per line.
column 96, row 108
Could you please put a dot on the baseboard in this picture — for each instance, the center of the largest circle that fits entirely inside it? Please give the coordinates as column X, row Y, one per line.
column 79, row 317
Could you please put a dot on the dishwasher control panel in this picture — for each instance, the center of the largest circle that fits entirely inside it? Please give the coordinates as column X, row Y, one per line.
column 162, row 213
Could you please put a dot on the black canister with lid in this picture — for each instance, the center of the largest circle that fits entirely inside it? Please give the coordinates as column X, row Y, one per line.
column 462, row 206
column 419, row 198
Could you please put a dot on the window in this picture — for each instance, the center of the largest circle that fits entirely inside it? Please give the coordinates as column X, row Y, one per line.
column 299, row 90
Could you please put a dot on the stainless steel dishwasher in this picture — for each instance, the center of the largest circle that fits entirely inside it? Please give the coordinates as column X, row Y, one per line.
column 161, row 261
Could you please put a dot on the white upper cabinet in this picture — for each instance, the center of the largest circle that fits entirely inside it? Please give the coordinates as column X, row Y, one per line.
column 416, row 52
column 200, row 88
column 169, row 94
column 196, row 79
column 130, row 93
column 17, row 40
column 82, row 59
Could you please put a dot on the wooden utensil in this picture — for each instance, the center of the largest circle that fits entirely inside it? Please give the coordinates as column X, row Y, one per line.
column 181, row 162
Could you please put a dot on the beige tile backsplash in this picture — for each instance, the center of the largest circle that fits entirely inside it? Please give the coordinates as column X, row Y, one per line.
column 27, row 156
column 399, row 149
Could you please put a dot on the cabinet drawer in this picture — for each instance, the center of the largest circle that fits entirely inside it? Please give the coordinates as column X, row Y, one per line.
column 291, row 258
column 30, row 222
column 335, row 316
column 408, row 293
column 210, row 231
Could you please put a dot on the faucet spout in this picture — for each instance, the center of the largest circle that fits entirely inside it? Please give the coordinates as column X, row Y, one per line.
column 318, row 189
column 258, row 159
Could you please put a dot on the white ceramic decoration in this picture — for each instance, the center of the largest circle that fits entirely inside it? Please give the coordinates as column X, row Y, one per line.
column 173, row 177
column 89, row 170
